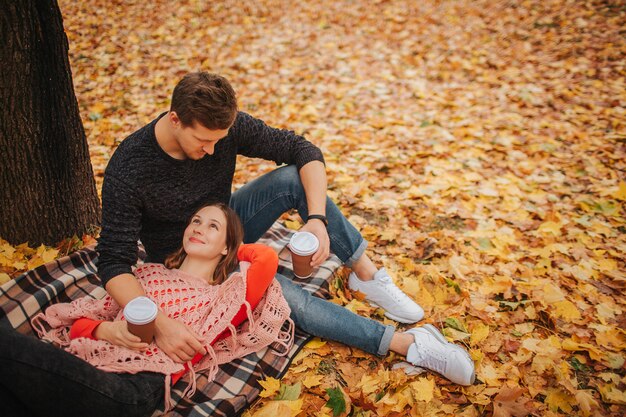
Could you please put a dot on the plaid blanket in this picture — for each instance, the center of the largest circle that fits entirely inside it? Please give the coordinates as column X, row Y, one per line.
column 235, row 386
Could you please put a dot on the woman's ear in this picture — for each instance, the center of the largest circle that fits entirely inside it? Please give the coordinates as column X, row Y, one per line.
column 225, row 251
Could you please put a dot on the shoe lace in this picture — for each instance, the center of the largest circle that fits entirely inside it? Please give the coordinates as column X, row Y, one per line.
column 430, row 359
column 392, row 289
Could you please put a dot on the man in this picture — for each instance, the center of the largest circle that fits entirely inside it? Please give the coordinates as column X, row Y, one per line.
column 161, row 173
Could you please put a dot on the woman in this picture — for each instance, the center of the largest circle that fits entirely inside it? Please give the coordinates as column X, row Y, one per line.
column 204, row 261
column 109, row 371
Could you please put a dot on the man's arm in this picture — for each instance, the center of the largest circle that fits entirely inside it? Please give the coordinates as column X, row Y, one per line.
column 314, row 181
column 117, row 249
column 124, row 288
column 256, row 139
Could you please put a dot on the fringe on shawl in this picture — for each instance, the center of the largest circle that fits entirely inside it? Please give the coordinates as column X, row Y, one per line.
column 255, row 326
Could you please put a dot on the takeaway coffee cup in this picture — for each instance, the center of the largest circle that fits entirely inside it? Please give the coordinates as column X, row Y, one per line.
column 302, row 246
column 140, row 314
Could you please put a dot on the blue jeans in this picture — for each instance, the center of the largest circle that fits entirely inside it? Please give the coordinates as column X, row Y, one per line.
column 39, row 379
column 259, row 204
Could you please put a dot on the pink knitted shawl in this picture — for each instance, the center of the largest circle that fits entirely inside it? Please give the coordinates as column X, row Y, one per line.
column 207, row 309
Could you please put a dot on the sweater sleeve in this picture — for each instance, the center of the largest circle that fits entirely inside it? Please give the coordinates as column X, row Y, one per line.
column 256, row 139
column 263, row 266
column 84, row 328
column 121, row 224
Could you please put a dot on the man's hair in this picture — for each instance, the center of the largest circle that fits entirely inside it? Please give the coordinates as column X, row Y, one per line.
column 206, row 98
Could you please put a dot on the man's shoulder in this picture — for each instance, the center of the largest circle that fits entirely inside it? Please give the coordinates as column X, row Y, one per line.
column 136, row 151
column 244, row 119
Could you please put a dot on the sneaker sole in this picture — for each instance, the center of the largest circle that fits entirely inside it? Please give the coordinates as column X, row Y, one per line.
column 394, row 317
column 439, row 336
column 400, row 319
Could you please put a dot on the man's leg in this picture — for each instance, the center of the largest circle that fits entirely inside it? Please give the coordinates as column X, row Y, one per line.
column 48, row 381
column 262, row 201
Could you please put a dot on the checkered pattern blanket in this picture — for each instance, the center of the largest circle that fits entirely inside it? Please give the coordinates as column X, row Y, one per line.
column 235, row 386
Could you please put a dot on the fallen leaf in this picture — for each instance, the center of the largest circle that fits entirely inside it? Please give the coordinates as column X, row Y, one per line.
column 510, row 403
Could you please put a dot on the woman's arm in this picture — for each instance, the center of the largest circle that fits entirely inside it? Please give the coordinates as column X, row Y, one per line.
column 84, row 327
column 263, row 266
column 114, row 332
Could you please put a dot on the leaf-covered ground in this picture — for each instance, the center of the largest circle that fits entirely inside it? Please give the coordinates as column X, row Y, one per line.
column 478, row 145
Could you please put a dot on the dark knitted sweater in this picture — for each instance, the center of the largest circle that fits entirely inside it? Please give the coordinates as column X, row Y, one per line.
column 149, row 195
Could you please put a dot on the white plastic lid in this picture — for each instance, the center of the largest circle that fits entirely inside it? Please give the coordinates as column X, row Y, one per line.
column 304, row 243
column 140, row 310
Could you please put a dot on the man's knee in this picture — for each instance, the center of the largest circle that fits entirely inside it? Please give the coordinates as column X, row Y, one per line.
column 288, row 177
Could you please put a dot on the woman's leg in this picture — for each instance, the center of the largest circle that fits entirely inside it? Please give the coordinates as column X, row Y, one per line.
column 44, row 380
column 322, row 318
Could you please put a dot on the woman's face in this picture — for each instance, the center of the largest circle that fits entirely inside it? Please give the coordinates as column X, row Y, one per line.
column 205, row 236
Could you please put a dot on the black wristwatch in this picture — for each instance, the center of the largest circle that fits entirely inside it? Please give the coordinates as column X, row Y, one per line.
column 318, row 217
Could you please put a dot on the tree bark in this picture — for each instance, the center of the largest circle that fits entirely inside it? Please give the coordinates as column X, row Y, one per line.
column 47, row 189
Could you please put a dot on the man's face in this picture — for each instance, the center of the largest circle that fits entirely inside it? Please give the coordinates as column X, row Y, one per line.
column 195, row 141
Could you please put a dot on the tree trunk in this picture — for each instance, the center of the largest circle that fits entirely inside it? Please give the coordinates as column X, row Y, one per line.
column 47, row 189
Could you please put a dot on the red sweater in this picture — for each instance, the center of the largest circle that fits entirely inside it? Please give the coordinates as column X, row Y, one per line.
column 263, row 266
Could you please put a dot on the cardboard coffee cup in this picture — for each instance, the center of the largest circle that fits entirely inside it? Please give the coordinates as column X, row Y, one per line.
column 140, row 315
column 303, row 246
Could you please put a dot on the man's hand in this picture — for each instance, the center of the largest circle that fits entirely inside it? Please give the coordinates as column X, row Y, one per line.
column 176, row 339
column 116, row 332
column 318, row 228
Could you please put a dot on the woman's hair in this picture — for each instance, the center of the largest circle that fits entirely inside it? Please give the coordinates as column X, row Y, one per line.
column 234, row 238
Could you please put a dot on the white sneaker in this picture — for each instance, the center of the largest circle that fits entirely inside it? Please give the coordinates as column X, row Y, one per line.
column 431, row 350
column 382, row 292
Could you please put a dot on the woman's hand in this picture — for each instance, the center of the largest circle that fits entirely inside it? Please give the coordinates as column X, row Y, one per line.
column 318, row 228
column 176, row 339
column 117, row 333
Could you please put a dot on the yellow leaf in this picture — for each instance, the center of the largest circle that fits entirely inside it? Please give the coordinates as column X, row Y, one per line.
column 524, row 328
column 389, row 235
column 551, row 227
column 552, row 293
column 7, row 250
column 270, row 385
column 4, row 278
column 49, row 255
column 282, row 408
column 567, row 310
column 312, row 380
column 541, row 363
column 586, row 402
column 489, row 374
column 611, row 337
column 34, row 262
column 97, row 108
column 426, row 298
column 479, row 333
column 19, row 265
column 594, row 352
column 423, row 389
column 620, row 194
column 315, row 343
column 372, row 383
column 557, row 399
column 293, row 225
column 611, row 394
